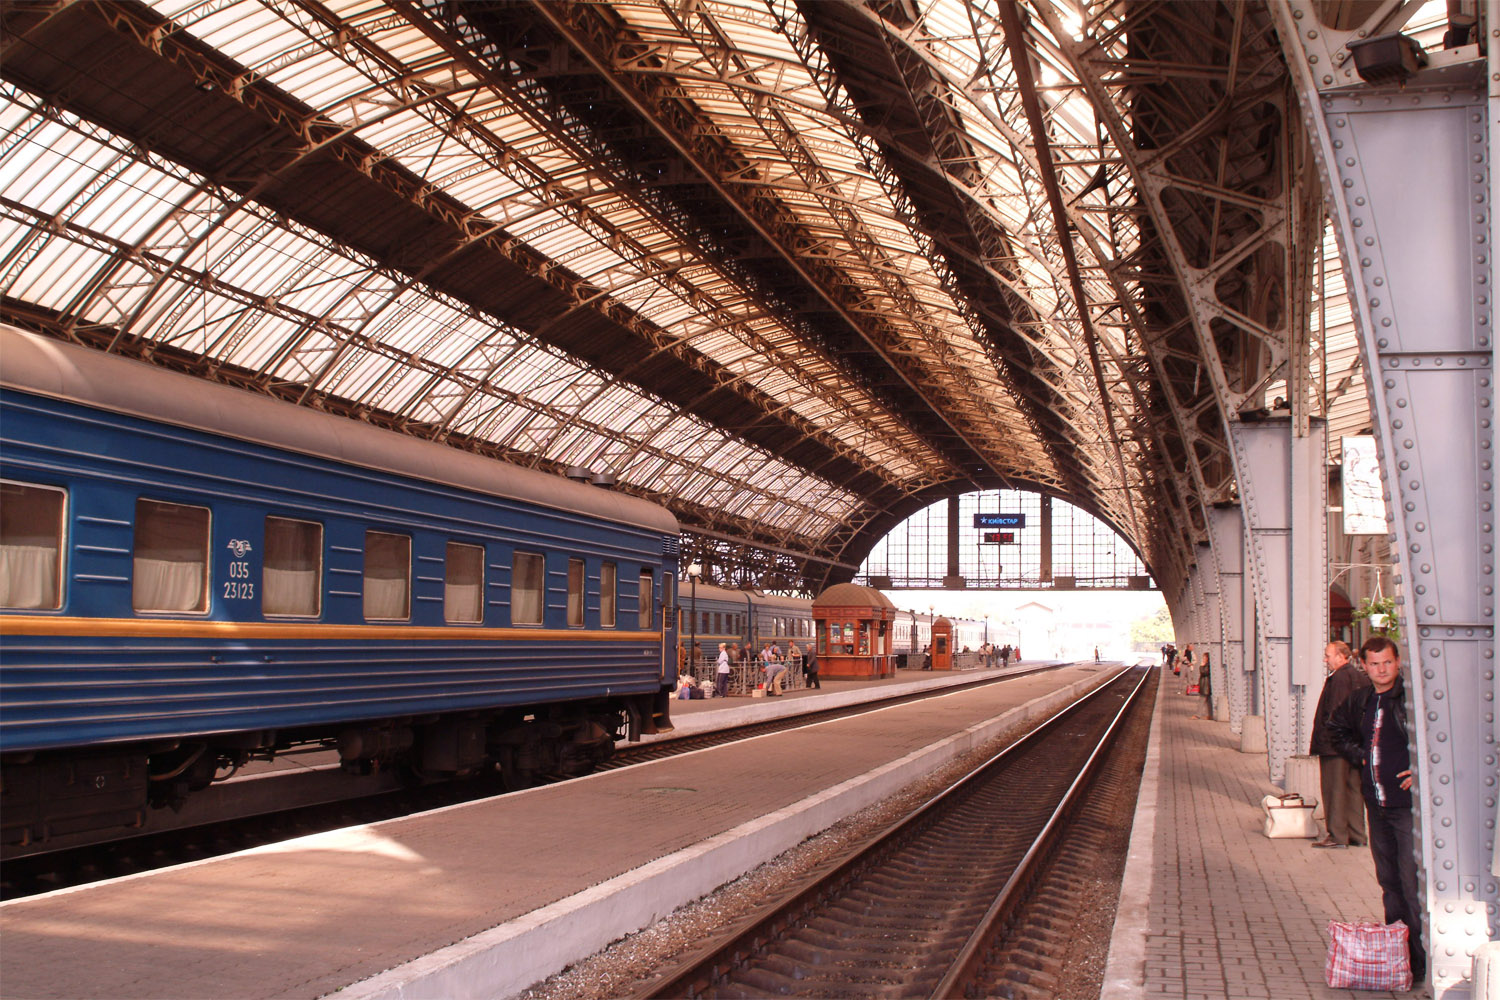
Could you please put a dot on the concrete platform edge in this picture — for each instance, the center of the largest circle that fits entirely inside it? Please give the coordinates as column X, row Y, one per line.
column 1125, row 968
column 749, row 710
column 504, row 960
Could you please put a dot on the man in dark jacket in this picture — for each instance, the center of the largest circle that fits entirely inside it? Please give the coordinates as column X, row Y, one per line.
column 1343, row 804
column 1370, row 730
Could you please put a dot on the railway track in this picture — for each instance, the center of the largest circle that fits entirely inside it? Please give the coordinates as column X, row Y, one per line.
column 315, row 799
column 977, row 893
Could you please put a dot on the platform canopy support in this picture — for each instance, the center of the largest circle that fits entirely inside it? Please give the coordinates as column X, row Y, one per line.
column 1406, row 160
column 1283, row 490
column 1227, row 529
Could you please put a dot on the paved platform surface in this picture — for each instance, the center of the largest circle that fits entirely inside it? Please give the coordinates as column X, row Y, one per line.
column 1210, row 908
column 485, row 898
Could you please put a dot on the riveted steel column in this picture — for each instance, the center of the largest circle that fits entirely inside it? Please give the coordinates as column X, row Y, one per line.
column 1227, row 528
column 1213, row 617
column 1410, row 180
column 1201, row 569
column 1283, row 487
column 1309, row 573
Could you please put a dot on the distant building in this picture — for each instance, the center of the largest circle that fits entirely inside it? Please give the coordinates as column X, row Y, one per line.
column 1038, row 625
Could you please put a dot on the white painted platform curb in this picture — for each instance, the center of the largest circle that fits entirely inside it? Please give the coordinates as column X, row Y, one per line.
column 504, row 960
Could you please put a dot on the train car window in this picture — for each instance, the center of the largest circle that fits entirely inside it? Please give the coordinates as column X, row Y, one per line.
column 646, row 617
column 31, row 546
column 575, row 592
column 170, row 571
column 526, row 589
column 608, row 587
column 291, row 576
column 463, row 583
column 387, row 576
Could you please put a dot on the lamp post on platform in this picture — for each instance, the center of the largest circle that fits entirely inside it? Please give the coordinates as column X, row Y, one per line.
column 694, row 571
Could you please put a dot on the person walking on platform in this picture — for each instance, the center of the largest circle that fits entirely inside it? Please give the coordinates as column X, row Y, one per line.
column 1343, row 805
column 1370, row 731
column 810, row 667
column 721, row 673
column 1205, row 687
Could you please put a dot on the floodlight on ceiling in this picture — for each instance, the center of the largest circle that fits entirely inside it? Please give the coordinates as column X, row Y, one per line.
column 1386, row 58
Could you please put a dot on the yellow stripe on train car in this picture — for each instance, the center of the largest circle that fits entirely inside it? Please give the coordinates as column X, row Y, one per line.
column 177, row 628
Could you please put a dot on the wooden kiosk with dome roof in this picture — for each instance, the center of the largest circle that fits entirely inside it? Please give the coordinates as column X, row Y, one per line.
column 855, row 633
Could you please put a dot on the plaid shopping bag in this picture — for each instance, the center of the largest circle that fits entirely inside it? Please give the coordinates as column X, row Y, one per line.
column 1367, row 956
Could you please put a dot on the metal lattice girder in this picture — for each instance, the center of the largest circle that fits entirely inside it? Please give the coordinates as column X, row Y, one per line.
column 1203, row 132
column 792, row 268
column 830, row 245
column 340, row 338
column 1421, row 281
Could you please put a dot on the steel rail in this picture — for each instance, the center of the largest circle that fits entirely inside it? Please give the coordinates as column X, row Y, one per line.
column 966, row 965
column 696, row 976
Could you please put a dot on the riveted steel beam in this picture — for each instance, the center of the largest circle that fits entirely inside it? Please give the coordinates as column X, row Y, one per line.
column 1410, row 177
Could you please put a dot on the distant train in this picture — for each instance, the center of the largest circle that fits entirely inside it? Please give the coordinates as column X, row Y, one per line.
column 741, row 616
column 192, row 576
column 749, row 616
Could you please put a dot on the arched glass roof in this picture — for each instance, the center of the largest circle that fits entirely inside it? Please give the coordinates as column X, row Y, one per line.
column 792, row 268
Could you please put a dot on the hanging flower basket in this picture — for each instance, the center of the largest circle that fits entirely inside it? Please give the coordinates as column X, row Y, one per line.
column 1380, row 613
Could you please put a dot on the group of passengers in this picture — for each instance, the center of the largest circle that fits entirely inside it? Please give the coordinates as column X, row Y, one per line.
column 771, row 662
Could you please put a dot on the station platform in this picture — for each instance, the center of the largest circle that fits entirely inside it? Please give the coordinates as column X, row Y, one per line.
column 1210, row 909
column 485, row 898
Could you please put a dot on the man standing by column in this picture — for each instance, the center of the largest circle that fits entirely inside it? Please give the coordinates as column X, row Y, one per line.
column 1370, row 730
column 1343, row 804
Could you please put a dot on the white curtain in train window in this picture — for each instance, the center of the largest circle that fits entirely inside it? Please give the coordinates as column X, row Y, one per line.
column 575, row 592
column 31, row 526
column 387, row 577
column 608, row 582
column 526, row 589
column 463, row 583
column 291, row 573
column 170, row 557
column 646, row 614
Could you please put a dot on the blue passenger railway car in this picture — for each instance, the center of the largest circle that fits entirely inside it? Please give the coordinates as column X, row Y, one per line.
column 192, row 576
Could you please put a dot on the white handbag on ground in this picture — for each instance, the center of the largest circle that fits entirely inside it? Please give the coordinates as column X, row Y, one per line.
column 1289, row 816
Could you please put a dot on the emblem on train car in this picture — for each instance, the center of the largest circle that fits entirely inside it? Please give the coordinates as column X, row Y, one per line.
column 239, row 546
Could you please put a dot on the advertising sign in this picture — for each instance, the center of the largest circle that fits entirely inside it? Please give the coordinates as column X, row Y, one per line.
column 999, row 520
column 1364, row 505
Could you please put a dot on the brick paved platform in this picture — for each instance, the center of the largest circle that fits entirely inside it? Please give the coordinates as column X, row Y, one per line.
column 1210, row 908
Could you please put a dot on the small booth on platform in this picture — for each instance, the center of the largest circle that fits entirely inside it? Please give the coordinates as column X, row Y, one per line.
column 942, row 644
column 856, row 633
